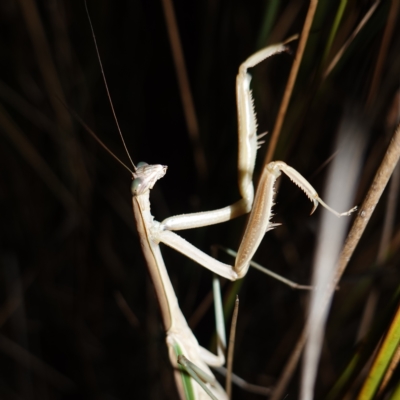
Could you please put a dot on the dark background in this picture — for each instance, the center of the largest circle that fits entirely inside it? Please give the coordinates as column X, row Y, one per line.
column 69, row 252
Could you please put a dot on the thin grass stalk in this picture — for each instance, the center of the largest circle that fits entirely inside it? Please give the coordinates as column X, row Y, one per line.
column 184, row 89
column 291, row 81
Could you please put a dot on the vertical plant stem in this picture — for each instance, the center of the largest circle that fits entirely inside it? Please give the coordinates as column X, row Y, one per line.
column 371, row 200
column 184, row 87
column 290, row 83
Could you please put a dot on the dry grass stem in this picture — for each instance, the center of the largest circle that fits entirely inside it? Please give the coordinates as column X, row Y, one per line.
column 184, row 88
column 291, row 81
column 371, row 200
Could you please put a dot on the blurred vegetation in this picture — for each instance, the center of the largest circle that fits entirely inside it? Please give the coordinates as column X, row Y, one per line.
column 78, row 314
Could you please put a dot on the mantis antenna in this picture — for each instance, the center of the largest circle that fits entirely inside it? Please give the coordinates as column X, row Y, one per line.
column 106, row 85
column 101, row 143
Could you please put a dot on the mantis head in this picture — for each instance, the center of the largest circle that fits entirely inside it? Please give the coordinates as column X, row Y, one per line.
column 145, row 177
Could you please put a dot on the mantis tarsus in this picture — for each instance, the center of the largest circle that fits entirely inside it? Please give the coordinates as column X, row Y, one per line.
column 180, row 339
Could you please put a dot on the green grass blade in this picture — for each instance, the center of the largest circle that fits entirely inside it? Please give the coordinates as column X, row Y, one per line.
column 383, row 359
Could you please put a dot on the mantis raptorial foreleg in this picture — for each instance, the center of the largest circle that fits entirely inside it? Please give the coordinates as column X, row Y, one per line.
column 259, row 219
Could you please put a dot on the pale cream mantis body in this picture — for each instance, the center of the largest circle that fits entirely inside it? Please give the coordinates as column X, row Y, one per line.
column 179, row 337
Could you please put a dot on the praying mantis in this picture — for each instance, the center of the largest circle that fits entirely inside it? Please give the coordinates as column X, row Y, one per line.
column 182, row 345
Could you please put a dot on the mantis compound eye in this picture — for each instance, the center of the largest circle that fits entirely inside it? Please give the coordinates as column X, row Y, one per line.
column 136, row 185
column 141, row 164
